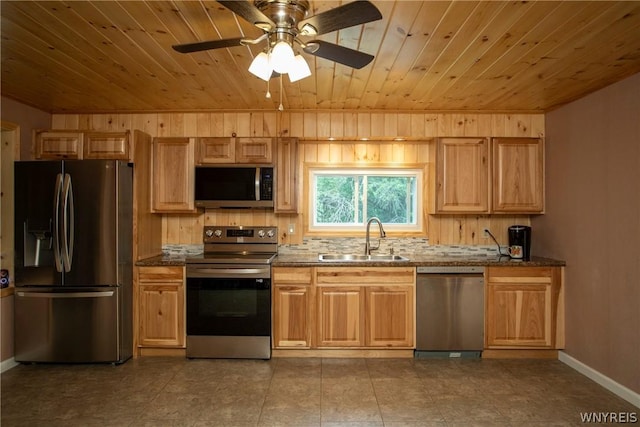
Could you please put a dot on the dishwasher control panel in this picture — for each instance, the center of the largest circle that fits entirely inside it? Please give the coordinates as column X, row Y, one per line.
column 451, row 269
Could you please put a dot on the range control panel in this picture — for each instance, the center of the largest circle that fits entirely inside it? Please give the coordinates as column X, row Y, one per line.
column 240, row 234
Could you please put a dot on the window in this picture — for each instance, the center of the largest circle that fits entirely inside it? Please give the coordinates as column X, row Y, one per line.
column 344, row 199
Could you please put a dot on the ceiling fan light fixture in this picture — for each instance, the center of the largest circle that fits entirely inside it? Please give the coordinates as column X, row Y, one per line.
column 282, row 57
column 261, row 67
column 299, row 69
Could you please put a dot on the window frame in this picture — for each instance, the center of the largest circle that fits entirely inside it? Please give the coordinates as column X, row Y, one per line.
column 419, row 170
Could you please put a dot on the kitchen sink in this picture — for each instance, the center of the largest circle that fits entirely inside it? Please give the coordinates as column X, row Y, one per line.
column 360, row 258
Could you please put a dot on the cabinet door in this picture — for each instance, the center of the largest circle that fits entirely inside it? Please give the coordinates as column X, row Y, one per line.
column 462, row 182
column 253, row 150
column 160, row 307
column 106, row 145
column 518, row 175
column 389, row 316
column 173, row 175
column 292, row 316
column 286, row 170
column 521, row 309
column 340, row 316
column 293, row 307
column 59, row 145
column 215, row 151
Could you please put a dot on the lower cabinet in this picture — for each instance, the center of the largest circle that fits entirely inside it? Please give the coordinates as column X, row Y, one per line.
column 374, row 308
column 366, row 307
column 292, row 307
column 341, row 316
column 524, row 308
column 389, row 316
column 343, row 307
column 160, row 307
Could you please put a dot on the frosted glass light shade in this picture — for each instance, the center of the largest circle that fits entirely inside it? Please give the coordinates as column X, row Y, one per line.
column 261, row 67
column 281, row 57
column 299, row 69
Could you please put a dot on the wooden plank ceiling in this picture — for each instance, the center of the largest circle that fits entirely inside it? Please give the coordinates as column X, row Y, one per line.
column 116, row 56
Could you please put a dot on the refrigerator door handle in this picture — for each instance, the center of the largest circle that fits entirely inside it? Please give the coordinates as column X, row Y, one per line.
column 68, row 223
column 56, row 224
column 101, row 294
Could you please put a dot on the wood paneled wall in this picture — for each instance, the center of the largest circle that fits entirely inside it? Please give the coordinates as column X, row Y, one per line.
column 314, row 128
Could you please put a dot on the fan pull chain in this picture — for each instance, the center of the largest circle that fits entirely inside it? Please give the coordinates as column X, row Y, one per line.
column 280, row 108
column 268, row 94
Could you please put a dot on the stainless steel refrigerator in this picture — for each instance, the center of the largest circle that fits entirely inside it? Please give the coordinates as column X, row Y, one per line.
column 73, row 261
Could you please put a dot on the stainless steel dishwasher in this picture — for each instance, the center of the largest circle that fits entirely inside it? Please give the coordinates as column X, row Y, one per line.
column 449, row 311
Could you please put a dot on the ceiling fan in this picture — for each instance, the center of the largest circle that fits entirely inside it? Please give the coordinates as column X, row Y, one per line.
column 283, row 21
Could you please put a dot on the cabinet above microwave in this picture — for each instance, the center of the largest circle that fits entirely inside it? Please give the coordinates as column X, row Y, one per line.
column 221, row 150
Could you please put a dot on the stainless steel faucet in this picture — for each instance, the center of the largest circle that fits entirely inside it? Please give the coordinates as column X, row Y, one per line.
column 367, row 244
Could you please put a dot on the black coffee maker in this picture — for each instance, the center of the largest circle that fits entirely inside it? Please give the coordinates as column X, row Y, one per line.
column 520, row 242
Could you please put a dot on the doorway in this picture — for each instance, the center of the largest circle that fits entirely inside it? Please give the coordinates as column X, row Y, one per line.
column 9, row 152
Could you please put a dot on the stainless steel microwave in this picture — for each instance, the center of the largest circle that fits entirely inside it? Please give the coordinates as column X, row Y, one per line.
column 234, row 187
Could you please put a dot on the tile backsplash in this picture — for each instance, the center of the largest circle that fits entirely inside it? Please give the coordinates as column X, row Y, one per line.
column 355, row 245
column 182, row 249
column 400, row 246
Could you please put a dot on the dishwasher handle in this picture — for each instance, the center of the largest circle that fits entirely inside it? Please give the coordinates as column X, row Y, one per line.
column 451, row 269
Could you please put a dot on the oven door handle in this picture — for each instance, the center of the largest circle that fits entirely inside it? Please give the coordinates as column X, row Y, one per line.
column 227, row 272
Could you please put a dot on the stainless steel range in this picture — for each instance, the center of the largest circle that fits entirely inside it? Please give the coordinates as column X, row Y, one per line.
column 229, row 293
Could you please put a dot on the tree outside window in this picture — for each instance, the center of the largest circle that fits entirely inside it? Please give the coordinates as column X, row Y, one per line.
column 347, row 198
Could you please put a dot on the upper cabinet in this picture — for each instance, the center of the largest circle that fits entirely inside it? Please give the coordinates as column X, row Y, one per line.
column 254, row 150
column 78, row 144
column 234, row 150
column 173, row 175
column 462, row 175
column 215, row 150
column 106, row 145
column 468, row 182
column 286, row 171
column 518, row 175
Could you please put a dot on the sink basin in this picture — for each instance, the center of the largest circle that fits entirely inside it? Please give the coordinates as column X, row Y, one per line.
column 360, row 258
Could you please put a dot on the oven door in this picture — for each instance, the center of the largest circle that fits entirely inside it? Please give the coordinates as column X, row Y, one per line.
column 228, row 300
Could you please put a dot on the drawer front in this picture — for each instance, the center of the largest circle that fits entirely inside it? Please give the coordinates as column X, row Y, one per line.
column 365, row 275
column 296, row 275
column 161, row 274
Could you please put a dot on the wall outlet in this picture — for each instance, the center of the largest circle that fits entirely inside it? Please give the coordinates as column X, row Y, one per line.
column 292, row 229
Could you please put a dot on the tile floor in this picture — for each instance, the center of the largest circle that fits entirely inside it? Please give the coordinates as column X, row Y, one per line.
column 303, row 392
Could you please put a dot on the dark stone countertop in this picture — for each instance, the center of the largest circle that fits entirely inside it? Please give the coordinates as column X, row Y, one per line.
column 415, row 260
column 163, row 260
column 418, row 260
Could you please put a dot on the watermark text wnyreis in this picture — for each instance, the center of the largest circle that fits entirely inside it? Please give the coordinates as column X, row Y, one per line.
column 609, row 417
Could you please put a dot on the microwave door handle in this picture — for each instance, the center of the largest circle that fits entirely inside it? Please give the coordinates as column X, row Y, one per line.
column 257, row 183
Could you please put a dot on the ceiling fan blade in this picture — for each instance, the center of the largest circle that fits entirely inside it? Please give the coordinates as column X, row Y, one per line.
column 343, row 55
column 249, row 13
column 211, row 44
column 348, row 15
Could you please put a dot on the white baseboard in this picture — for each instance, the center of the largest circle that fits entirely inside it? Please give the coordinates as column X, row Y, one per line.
column 5, row 365
column 606, row 382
